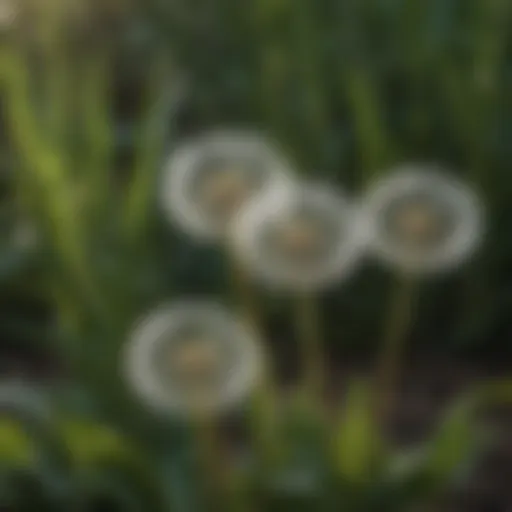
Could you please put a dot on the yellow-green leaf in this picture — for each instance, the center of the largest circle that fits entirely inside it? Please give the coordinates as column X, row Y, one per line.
column 16, row 447
column 454, row 440
column 91, row 443
column 357, row 443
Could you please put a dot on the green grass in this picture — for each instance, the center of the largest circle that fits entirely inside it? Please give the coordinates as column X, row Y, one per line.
column 348, row 88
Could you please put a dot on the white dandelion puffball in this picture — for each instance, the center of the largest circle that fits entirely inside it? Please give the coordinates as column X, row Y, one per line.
column 422, row 220
column 207, row 180
column 305, row 238
column 193, row 358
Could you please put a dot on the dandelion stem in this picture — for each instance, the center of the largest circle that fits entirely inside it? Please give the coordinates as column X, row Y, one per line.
column 210, row 458
column 308, row 327
column 398, row 323
column 244, row 293
column 263, row 405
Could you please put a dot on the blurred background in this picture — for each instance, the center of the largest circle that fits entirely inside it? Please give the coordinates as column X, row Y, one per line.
column 96, row 93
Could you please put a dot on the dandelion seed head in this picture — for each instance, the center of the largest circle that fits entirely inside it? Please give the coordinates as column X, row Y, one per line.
column 208, row 180
column 422, row 220
column 192, row 358
column 305, row 237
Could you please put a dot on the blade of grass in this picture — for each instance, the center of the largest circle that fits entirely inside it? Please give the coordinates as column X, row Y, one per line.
column 376, row 148
column 309, row 58
column 415, row 28
column 268, row 24
column 97, row 123
column 47, row 168
column 56, row 89
column 149, row 151
column 358, row 448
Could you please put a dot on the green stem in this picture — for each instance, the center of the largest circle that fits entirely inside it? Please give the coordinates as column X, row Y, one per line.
column 308, row 327
column 399, row 321
column 263, row 406
column 210, row 459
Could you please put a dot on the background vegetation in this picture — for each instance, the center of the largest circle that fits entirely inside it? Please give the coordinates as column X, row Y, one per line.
column 347, row 88
column 94, row 99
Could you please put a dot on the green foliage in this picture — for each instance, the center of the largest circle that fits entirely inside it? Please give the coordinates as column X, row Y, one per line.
column 96, row 465
column 358, row 443
column 347, row 88
column 347, row 464
column 376, row 476
column 92, row 462
column 16, row 447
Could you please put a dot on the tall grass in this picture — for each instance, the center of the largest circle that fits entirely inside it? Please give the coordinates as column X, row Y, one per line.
column 397, row 79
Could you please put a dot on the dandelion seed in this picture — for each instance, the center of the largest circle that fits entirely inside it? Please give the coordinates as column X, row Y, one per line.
column 192, row 358
column 304, row 238
column 208, row 180
column 422, row 220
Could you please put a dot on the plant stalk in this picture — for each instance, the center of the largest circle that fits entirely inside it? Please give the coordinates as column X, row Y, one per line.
column 308, row 331
column 211, row 465
column 399, row 320
column 263, row 406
